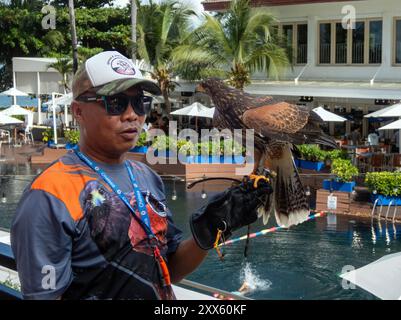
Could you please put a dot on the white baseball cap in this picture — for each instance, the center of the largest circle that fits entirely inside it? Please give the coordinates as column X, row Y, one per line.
column 109, row 73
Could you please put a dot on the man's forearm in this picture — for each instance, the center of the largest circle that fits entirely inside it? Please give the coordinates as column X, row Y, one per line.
column 185, row 260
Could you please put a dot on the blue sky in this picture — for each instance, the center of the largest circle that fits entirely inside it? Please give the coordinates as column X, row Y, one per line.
column 195, row 3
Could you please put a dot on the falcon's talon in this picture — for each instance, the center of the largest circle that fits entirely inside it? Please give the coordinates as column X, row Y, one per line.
column 257, row 178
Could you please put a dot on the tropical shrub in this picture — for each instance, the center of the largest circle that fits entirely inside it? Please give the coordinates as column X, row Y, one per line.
column 72, row 136
column 47, row 135
column 164, row 143
column 208, row 148
column 384, row 183
column 142, row 140
column 231, row 146
column 344, row 170
column 336, row 154
column 311, row 152
column 186, row 147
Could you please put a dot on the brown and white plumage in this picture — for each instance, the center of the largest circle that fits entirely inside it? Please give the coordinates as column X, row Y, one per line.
column 277, row 125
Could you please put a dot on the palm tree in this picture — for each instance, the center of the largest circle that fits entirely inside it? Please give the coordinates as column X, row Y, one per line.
column 64, row 66
column 233, row 45
column 73, row 35
column 134, row 9
column 161, row 28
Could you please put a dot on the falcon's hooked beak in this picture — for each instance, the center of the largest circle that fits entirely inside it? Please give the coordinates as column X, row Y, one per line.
column 200, row 88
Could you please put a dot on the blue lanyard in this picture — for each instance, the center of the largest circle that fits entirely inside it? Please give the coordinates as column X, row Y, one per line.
column 140, row 201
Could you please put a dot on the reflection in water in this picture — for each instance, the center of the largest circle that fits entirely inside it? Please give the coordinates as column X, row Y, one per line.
column 356, row 240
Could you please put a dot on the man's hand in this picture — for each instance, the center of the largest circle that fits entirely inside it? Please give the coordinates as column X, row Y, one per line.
column 228, row 211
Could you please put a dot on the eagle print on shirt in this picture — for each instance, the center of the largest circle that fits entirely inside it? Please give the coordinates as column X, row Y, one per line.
column 108, row 218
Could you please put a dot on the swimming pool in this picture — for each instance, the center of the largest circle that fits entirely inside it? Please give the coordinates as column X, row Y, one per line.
column 301, row 263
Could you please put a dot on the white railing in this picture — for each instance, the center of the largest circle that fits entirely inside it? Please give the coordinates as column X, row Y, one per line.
column 325, row 50
column 302, row 53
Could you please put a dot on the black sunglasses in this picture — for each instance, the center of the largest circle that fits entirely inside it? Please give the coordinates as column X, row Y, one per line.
column 117, row 104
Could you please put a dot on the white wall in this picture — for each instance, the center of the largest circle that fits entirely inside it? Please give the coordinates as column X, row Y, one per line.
column 313, row 13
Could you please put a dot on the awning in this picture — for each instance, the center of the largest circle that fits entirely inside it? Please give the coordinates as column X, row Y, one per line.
column 326, row 89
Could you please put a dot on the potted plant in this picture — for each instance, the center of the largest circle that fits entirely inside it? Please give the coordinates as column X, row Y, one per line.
column 345, row 172
column 332, row 155
column 385, row 186
column 231, row 151
column 141, row 144
column 47, row 137
column 163, row 145
column 186, row 151
column 312, row 158
column 72, row 137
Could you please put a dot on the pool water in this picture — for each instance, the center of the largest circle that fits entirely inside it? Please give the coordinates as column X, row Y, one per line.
column 303, row 262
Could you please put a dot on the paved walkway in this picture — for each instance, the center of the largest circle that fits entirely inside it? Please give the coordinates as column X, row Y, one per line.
column 19, row 154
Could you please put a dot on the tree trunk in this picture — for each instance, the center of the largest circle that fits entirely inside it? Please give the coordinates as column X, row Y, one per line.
column 167, row 103
column 133, row 29
column 73, row 36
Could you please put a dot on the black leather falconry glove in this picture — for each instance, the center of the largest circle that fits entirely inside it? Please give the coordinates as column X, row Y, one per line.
column 228, row 211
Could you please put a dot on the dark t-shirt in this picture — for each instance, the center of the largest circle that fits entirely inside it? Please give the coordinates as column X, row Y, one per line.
column 71, row 226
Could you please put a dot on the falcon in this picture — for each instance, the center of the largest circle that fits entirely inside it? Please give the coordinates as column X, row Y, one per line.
column 278, row 126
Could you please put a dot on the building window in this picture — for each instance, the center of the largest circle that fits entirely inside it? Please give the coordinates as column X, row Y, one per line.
column 362, row 45
column 375, row 41
column 288, row 38
column 341, row 43
column 358, row 43
column 302, row 43
column 294, row 38
column 398, row 42
column 325, row 43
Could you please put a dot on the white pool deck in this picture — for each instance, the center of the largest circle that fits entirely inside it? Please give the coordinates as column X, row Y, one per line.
column 12, row 276
column 7, row 274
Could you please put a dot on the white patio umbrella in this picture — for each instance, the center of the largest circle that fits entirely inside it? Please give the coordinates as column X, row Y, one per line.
column 195, row 110
column 328, row 116
column 389, row 112
column 396, row 125
column 5, row 120
column 381, row 277
column 16, row 110
column 65, row 100
column 14, row 92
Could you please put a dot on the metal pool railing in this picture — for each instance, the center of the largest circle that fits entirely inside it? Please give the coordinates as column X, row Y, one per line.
column 376, row 203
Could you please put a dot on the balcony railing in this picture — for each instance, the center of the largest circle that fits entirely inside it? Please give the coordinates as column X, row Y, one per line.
column 375, row 54
column 325, row 53
column 358, row 51
column 302, row 53
column 341, row 53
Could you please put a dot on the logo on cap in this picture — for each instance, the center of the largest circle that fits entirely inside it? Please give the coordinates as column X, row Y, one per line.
column 122, row 66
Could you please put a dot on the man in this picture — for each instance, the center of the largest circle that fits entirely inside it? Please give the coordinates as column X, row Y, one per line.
column 94, row 225
column 356, row 137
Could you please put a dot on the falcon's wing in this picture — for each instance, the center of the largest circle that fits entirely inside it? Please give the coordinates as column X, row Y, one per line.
column 276, row 119
column 286, row 122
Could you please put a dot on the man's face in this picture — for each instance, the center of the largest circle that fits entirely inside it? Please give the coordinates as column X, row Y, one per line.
column 109, row 134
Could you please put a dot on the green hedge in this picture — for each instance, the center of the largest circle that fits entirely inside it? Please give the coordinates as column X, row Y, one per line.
column 344, row 170
column 312, row 152
column 385, row 183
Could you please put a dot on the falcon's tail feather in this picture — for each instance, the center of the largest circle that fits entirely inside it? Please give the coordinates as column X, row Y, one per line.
column 290, row 202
